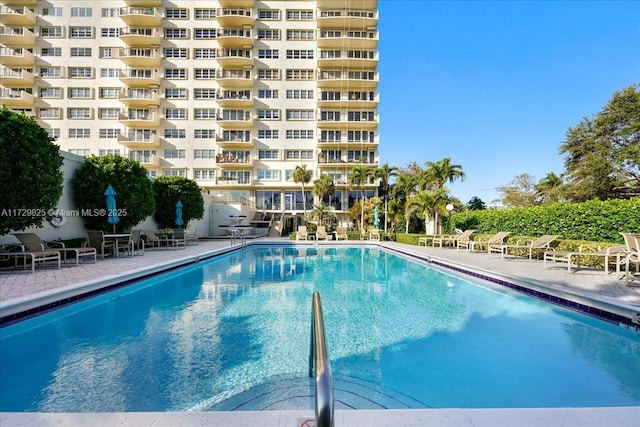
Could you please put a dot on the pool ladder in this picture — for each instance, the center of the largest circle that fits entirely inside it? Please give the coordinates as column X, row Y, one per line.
column 236, row 235
column 319, row 358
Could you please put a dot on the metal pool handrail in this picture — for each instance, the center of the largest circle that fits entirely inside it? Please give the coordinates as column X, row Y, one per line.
column 319, row 357
column 236, row 234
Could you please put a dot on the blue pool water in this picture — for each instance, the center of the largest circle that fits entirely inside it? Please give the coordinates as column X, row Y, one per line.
column 233, row 333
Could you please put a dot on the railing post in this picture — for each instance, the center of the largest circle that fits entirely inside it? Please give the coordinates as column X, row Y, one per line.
column 319, row 358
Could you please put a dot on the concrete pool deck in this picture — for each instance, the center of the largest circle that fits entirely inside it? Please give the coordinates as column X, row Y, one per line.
column 20, row 290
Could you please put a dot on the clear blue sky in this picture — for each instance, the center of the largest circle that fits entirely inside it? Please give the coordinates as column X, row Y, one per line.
column 496, row 84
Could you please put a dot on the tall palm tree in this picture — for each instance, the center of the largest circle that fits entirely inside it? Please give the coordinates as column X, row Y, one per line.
column 303, row 175
column 323, row 187
column 403, row 189
column 430, row 204
column 442, row 171
column 549, row 188
column 358, row 179
column 385, row 172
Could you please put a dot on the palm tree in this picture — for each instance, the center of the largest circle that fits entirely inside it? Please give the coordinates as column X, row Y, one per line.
column 549, row 189
column 403, row 189
column 322, row 213
column 323, row 187
column 358, row 179
column 385, row 172
column 442, row 171
column 430, row 204
column 303, row 175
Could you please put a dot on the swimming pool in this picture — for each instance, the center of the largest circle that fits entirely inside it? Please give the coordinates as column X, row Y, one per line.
column 233, row 333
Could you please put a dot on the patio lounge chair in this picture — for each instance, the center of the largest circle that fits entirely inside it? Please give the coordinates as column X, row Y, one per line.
column 302, row 233
column 33, row 256
column 632, row 242
column 33, row 243
column 540, row 244
column 341, row 233
column 191, row 236
column 154, row 241
column 494, row 242
column 374, row 234
column 452, row 240
column 321, row 233
column 612, row 253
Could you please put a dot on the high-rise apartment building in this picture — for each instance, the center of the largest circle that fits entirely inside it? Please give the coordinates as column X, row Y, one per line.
column 231, row 93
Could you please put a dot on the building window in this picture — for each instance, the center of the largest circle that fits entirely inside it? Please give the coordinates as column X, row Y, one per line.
column 268, row 53
column 299, row 54
column 204, row 33
column 205, row 13
column 268, row 175
column 51, row 51
column 273, row 114
column 204, row 174
column 84, row 152
column 109, row 133
column 79, row 133
column 205, row 53
column 205, row 73
column 269, row 73
column 298, row 154
column 268, row 154
column 301, row 74
column 269, row 14
column 176, row 13
column 50, row 92
column 79, row 113
column 299, row 15
column 175, row 133
column 330, row 136
column 53, row 132
column 268, row 133
column 236, row 135
column 176, row 53
column 175, row 113
column 108, row 72
column 204, row 154
column 204, row 94
column 268, row 93
column 51, row 32
column 300, row 35
column 175, row 93
column 108, row 113
column 109, row 32
column 205, row 113
column 81, row 12
column 80, row 92
column 204, row 133
column 80, row 72
column 175, row 73
column 175, row 33
column 174, row 172
column 52, row 11
column 300, row 114
column 360, row 136
column 81, row 32
column 299, row 134
column 268, row 34
column 80, row 51
column 109, row 152
column 106, row 52
column 299, row 94
column 109, row 12
column 51, row 72
column 174, row 154
column 49, row 113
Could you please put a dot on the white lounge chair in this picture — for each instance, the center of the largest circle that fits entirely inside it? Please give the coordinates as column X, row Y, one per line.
column 321, row 233
column 541, row 244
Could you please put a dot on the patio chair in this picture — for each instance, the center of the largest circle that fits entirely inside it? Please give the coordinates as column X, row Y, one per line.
column 153, row 240
column 191, row 236
column 136, row 243
column 341, row 233
column 33, row 242
column 541, row 244
column 374, row 234
column 493, row 243
column 612, row 253
column 452, row 240
column 321, row 233
column 178, row 238
column 34, row 256
column 632, row 242
column 302, row 233
column 96, row 239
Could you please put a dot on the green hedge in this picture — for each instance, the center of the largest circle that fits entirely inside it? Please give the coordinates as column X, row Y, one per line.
column 595, row 220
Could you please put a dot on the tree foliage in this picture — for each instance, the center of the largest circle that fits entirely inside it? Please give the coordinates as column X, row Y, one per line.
column 603, row 153
column 520, row 192
column 134, row 199
column 30, row 172
column 167, row 191
column 476, row 204
column 323, row 187
column 303, row 175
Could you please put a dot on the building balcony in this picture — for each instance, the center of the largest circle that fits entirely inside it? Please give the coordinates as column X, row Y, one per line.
column 238, row 38
column 16, row 78
column 148, row 160
column 139, row 141
column 140, row 37
column 144, row 3
column 234, row 58
column 236, row 3
column 140, row 78
column 326, row 164
column 17, row 57
column 17, row 16
column 348, row 59
column 234, row 143
column 14, row 98
column 348, row 39
column 235, row 78
column 148, row 119
column 235, row 17
column 139, row 99
column 235, row 98
column 353, row 4
column 12, row 36
column 233, row 163
column 349, row 124
column 235, row 121
column 353, row 19
column 355, row 80
column 345, row 144
column 140, row 57
column 345, row 101
column 20, row 2
column 141, row 16
column 228, row 183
